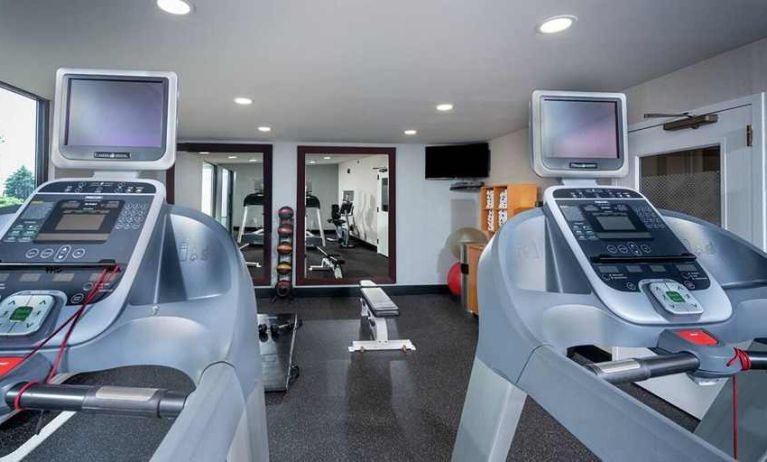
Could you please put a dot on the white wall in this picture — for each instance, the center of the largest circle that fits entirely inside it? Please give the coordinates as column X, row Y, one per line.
column 427, row 211
column 188, row 180
column 324, row 182
column 360, row 176
column 248, row 178
column 734, row 74
column 510, row 161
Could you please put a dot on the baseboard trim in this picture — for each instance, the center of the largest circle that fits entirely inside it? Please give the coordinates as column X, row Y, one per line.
column 354, row 291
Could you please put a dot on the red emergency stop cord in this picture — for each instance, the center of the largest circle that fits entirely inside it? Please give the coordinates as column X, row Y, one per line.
column 745, row 364
column 106, row 276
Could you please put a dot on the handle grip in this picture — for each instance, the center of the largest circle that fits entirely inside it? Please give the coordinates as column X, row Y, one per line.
column 147, row 402
column 638, row 369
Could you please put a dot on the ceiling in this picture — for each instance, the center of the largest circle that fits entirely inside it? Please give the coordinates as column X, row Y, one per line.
column 365, row 70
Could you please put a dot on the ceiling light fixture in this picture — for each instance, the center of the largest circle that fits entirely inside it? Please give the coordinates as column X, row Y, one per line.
column 411, row 132
column 241, row 100
column 264, row 129
column 177, row 7
column 253, row 160
column 204, row 152
column 444, row 107
column 312, row 161
column 232, row 157
column 327, row 157
column 557, row 24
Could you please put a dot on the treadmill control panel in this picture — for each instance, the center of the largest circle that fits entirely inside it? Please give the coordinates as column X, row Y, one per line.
column 24, row 314
column 67, row 233
column 673, row 297
column 625, row 240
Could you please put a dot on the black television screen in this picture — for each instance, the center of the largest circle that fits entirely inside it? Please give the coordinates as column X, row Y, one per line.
column 458, row 161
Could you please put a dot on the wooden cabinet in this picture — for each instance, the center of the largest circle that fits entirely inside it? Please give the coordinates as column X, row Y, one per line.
column 473, row 252
column 501, row 202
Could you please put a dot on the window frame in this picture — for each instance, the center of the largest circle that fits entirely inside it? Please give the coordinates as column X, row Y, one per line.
column 42, row 138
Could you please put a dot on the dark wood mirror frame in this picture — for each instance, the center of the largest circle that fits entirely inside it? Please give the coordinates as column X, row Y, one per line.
column 266, row 151
column 300, row 219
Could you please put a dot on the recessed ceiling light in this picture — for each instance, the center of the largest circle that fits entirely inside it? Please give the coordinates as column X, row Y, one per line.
column 264, row 129
column 327, row 157
column 556, row 24
column 312, row 161
column 243, row 100
column 178, row 7
column 253, row 160
column 204, row 152
column 232, row 157
column 411, row 132
column 445, row 107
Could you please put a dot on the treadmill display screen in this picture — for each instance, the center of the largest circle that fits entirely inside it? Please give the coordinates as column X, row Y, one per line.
column 80, row 220
column 616, row 223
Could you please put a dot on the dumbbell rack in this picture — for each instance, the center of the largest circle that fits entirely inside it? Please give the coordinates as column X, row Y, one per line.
column 284, row 268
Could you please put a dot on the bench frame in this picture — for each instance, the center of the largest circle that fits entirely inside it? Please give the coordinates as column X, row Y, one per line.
column 378, row 329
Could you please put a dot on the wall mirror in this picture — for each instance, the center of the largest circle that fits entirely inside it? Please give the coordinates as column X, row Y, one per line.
column 346, row 215
column 231, row 183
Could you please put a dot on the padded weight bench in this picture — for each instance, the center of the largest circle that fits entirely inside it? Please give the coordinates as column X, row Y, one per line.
column 376, row 308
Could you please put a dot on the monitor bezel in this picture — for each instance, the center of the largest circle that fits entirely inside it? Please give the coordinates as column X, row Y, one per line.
column 588, row 167
column 100, row 157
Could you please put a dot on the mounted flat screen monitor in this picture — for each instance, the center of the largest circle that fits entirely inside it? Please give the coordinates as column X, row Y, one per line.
column 458, row 161
column 578, row 134
column 119, row 118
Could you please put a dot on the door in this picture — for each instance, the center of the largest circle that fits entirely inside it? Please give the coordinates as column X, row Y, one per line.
column 714, row 172
column 382, row 215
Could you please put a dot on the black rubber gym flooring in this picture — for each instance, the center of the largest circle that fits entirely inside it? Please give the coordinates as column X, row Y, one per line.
column 360, row 261
column 393, row 406
column 376, row 406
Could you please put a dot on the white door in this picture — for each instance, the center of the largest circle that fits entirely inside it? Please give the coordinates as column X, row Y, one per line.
column 714, row 172
column 382, row 213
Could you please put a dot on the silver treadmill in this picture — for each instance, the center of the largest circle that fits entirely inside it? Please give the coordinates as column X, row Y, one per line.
column 154, row 284
column 599, row 265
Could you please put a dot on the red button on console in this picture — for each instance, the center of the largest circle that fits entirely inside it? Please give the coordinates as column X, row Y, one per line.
column 697, row 337
column 7, row 364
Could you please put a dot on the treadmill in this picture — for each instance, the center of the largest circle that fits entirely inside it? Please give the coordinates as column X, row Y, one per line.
column 600, row 265
column 103, row 284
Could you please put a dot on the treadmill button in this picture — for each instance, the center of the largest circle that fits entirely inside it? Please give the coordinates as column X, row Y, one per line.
column 697, row 337
column 63, row 252
column 32, row 253
column 47, row 253
column 78, row 253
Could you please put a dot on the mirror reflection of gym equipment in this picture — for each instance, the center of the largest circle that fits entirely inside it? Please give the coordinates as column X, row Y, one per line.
column 235, row 189
column 346, row 215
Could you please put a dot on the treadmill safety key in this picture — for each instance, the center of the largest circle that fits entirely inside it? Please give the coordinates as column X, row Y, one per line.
column 24, row 314
column 674, row 297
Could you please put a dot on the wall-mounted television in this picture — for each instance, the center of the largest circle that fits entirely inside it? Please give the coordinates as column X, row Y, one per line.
column 458, row 161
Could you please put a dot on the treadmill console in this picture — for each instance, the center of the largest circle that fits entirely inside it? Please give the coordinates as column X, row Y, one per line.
column 626, row 240
column 626, row 247
column 60, row 242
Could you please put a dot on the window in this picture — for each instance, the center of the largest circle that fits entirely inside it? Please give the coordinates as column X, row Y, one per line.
column 23, row 141
column 685, row 181
column 207, row 204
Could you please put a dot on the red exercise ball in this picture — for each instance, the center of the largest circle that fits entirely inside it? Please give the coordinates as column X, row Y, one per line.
column 454, row 279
